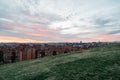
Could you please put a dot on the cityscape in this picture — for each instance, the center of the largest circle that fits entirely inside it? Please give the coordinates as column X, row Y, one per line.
column 59, row 39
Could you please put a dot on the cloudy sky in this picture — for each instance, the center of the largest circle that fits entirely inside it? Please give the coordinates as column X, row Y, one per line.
column 59, row 20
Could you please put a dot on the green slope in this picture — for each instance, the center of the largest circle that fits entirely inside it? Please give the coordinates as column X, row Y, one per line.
column 101, row 63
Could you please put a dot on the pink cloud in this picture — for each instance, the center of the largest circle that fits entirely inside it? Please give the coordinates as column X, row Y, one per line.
column 39, row 30
column 16, row 39
column 109, row 37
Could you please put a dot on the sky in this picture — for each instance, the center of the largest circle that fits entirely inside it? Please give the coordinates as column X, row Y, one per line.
column 59, row 20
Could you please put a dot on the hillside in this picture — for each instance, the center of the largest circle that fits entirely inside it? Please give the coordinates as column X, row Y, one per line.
column 101, row 63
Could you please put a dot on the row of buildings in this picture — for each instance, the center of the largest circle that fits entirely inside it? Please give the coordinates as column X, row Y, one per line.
column 14, row 52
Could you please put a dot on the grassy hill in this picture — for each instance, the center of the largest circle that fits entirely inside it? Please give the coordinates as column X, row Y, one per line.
column 101, row 63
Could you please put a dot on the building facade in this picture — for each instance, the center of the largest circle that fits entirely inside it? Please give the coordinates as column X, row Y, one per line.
column 19, row 52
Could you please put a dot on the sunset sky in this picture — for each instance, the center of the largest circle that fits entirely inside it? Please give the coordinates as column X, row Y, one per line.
column 59, row 20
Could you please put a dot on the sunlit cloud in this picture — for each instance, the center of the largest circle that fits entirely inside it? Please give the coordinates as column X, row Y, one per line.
column 17, row 39
column 59, row 20
column 108, row 37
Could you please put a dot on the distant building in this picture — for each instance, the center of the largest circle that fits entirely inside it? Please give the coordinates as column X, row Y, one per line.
column 10, row 53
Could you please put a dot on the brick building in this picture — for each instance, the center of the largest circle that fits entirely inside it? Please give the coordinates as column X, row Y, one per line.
column 19, row 52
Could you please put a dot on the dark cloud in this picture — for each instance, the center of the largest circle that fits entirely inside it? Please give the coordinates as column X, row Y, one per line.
column 102, row 21
column 114, row 32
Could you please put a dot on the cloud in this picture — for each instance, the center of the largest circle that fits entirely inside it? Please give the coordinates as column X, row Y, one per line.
column 60, row 20
column 6, row 20
column 114, row 32
column 16, row 39
column 108, row 37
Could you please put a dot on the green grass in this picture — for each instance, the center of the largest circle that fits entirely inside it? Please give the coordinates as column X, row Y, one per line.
column 101, row 63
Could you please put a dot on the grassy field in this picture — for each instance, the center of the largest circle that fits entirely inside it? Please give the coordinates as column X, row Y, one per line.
column 101, row 63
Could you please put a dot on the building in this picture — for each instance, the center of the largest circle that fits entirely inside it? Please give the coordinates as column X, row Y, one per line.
column 10, row 53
